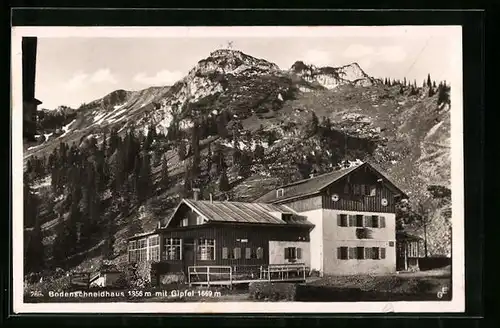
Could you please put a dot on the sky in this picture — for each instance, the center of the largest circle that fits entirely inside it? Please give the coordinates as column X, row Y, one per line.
column 74, row 70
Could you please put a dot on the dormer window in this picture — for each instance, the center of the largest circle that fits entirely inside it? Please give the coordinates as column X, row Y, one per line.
column 184, row 222
column 280, row 192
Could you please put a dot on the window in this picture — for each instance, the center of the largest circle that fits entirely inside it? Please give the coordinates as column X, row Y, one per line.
column 248, row 253
column 224, row 253
column 260, row 253
column 346, row 188
column 372, row 253
column 206, row 249
column 363, row 189
column 199, row 220
column 280, row 192
column 359, row 220
column 368, row 253
column 154, row 248
column 360, row 253
column 382, row 222
column 293, row 253
column 342, row 253
column 184, row 222
column 391, row 244
column 352, row 253
column 342, row 220
column 356, row 189
column 368, row 221
column 237, row 253
column 132, row 253
column 352, row 220
column 373, row 191
column 173, row 249
column 374, row 221
column 142, row 250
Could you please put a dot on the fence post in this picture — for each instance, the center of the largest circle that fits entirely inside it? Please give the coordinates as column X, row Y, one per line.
column 189, row 276
column 208, row 276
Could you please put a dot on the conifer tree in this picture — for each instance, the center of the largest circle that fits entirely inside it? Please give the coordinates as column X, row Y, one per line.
column 223, row 182
column 429, row 83
column 312, row 125
column 195, row 147
column 145, row 186
column 34, row 256
column 165, row 177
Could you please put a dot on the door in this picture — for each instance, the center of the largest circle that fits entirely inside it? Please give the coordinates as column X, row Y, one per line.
column 188, row 255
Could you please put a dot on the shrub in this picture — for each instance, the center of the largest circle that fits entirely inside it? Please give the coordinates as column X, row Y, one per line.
column 272, row 291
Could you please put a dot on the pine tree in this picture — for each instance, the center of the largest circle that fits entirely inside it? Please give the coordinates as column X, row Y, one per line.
column 34, row 256
column 145, row 186
column 429, row 83
column 195, row 147
column 312, row 125
column 181, row 150
column 431, row 91
column 165, row 177
column 223, row 182
column 434, row 84
column 109, row 241
column 404, row 82
column 222, row 126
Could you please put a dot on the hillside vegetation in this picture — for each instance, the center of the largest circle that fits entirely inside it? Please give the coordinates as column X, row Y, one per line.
column 237, row 126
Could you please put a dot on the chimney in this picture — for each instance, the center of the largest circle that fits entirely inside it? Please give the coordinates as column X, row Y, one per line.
column 211, row 198
column 158, row 226
column 196, row 193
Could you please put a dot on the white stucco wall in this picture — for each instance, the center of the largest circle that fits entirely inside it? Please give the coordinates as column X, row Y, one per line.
column 277, row 252
column 316, row 238
column 335, row 236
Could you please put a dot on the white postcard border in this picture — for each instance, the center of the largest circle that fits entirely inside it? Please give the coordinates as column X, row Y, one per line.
column 457, row 304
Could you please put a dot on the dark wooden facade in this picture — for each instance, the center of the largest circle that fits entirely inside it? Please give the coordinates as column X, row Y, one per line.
column 29, row 48
column 347, row 200
column 226, row 235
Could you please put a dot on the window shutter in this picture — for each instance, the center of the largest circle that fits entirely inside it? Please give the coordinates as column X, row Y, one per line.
column 382, row 253
column 224, row 252
column 339, row 220
column 382, row 221
column 352, row 252
column 287, row 253
column 248, row 253
column 339, row 253
column 373, row 191
column 299, row 253
column 375, row 252
column 360, row 253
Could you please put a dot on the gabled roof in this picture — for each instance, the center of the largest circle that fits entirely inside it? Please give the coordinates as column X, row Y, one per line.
column 312, row 186
column 239, row 212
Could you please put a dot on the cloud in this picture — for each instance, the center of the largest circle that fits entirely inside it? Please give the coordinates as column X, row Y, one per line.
column 391, row 53
column 358, row 51
column 381, row 53
column 317, row 57
column 103, row 76
column 81, row 79
column 77, row 80
column 164, row 77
